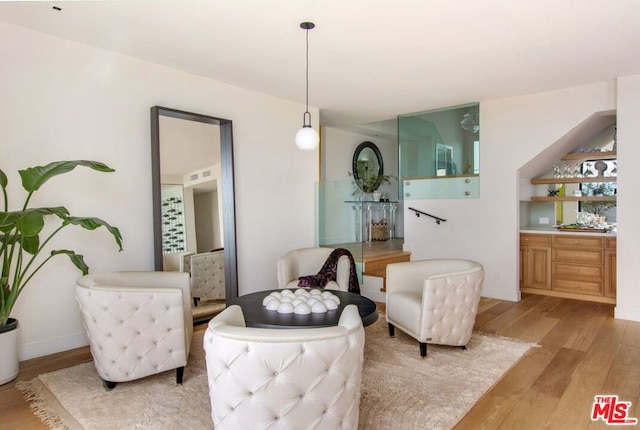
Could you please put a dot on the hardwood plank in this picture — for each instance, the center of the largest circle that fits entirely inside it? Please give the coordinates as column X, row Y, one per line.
column 557, row 375
column 531, row 412
column 624, row 375
column 501, row 322
column 574, row 407
column 536, row 315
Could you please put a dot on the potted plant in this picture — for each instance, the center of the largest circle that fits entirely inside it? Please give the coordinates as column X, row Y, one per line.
column 21, row 248
column 369, row 184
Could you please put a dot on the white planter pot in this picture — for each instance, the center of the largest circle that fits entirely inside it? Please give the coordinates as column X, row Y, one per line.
column 376, row 196
column 9, row 365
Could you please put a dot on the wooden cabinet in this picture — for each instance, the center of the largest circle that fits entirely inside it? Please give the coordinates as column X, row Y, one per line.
column 565, row 265
column 578, row 264
column 610, row 267
column 535, row 261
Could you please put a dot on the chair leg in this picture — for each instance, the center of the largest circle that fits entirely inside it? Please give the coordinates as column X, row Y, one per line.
column 423, row 349
column 392, row 330
column 179, row 375
column 108, row 385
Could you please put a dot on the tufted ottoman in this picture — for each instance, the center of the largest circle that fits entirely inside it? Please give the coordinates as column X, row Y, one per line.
column 434, row 301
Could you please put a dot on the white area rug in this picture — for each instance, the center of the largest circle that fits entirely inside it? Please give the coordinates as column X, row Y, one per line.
column 400, row 390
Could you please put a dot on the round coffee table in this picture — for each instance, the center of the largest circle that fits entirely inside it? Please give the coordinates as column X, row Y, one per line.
column 257, row 315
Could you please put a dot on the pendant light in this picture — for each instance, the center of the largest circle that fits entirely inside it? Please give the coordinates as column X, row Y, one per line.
column 307, row 138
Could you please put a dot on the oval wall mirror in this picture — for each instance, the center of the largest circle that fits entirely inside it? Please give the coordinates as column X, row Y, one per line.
column 193, row 191
column 368, row 167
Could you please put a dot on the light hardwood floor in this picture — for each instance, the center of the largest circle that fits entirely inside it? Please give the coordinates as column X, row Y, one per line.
column 583, row 351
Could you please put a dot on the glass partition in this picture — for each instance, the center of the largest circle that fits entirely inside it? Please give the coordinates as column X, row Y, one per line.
column 340, row 218
column 439, row 153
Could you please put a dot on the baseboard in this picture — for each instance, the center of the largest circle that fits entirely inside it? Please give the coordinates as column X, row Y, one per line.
column 627, row 314
column 494, row 293
column 51, row 346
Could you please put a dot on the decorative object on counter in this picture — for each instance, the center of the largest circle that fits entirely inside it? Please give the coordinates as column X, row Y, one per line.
column 376, row 195
column 301, row 301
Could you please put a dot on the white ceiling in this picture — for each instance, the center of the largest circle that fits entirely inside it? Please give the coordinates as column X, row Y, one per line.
column 370, row 60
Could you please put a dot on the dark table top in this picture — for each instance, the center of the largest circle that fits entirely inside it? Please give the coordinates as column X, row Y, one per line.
column 257, row 315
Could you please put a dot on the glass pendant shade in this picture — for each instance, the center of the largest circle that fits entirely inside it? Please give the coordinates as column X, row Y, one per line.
column 307, row 138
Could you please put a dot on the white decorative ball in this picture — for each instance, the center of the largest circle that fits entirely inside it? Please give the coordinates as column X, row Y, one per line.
column 286, row 298
column 273, row 305
column 315, row 292
column 330, row 304
column 299, row 291
column 285, row 308
column 318, row 308
column 334, row 298
column 286, row 292
column 268, row 299
column 302, row 309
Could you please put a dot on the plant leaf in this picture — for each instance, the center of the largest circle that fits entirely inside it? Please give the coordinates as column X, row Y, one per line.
column 34, row 177
column 29, row 222
column 76, row 259
column 31, row 244
column 3, row 179
column 92, row 223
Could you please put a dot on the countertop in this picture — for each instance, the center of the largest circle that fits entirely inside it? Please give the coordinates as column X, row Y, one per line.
column 551, row 230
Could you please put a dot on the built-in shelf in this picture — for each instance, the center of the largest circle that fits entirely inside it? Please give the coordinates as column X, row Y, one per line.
column 574, row 199
column 536, row 181
column 588, row 156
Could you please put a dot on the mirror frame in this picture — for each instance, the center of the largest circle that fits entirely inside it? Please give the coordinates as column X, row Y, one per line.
column 354, row 165
column 227, row 187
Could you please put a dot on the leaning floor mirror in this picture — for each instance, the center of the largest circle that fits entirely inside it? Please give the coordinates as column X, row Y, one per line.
column 193, row 204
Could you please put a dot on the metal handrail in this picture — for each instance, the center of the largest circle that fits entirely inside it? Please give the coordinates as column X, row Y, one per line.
column 437, row 218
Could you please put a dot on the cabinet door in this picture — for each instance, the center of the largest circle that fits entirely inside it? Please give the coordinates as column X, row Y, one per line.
column 610, row 273
column 539, row 267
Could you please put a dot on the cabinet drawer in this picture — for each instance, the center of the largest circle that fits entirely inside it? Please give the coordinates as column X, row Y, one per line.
column 592, row 288
column 573, row 272
column 610, row 242
column 535, row 240
column 577, row 256
column 577, row 242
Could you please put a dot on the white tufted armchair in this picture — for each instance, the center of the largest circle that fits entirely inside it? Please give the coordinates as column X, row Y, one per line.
column 138, row 323
column 207, row 275
column 434, row 301
column 309, row 261
column 284, row 378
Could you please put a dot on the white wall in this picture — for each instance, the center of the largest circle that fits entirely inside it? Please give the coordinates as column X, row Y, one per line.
column 62, row 100
column 628, row 254
column 512, row 132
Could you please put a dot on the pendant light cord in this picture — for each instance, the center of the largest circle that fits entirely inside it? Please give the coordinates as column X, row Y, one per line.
column 306, row 113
